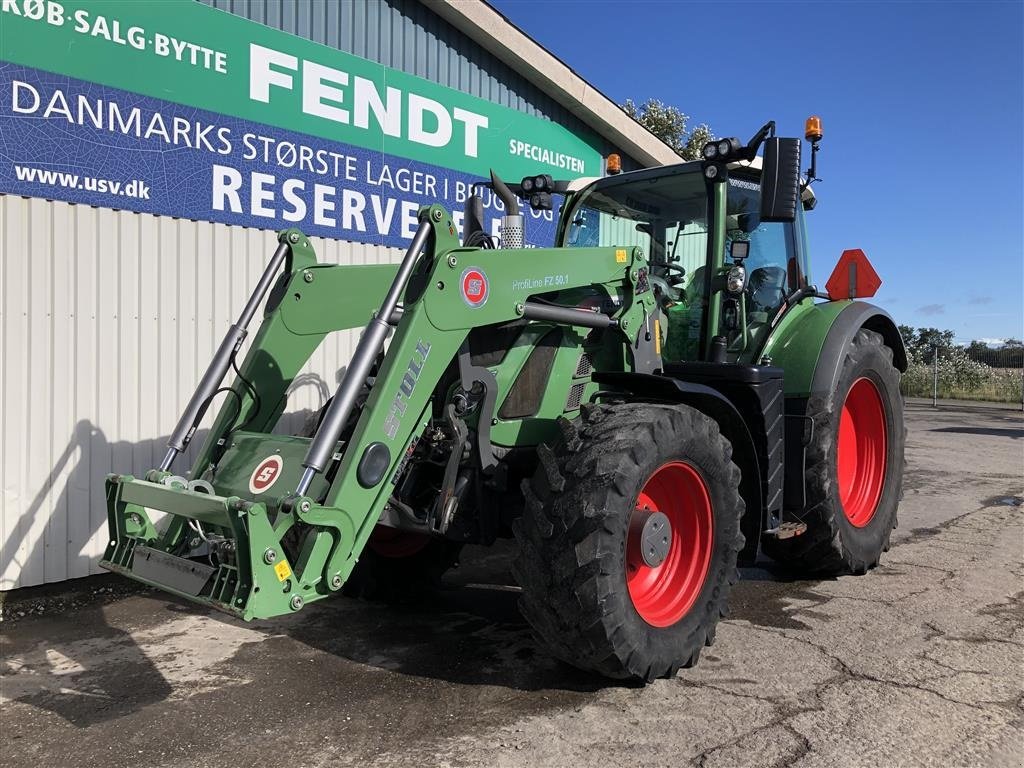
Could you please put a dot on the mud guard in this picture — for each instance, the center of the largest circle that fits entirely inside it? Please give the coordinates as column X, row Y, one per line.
column 845, row 326
column 812, row 353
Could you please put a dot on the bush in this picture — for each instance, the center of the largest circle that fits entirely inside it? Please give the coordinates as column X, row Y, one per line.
column 962, row 378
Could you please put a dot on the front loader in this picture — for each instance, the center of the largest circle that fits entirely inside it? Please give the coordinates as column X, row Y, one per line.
column 662, row 395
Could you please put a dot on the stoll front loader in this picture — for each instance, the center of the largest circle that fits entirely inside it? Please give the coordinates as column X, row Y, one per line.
column 641, row 407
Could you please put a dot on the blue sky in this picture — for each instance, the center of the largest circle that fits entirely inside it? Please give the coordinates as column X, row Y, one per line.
column 922, row 105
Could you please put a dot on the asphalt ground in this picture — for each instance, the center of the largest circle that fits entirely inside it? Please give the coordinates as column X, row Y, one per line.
column 921, row 662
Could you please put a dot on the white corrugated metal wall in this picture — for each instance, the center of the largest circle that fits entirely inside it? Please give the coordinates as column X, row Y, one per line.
column 107, row 320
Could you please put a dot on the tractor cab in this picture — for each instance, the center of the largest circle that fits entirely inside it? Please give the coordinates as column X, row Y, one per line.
column 716, row 294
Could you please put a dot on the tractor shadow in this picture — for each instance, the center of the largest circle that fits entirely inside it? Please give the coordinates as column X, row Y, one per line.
column 766, row 593
column 1013, row 434
column 468, row 633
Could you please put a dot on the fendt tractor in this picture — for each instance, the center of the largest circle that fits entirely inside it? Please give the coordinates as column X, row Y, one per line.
column 655, row 400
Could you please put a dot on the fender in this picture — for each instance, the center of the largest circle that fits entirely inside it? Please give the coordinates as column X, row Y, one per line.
column 850, row 320
column 811, row 341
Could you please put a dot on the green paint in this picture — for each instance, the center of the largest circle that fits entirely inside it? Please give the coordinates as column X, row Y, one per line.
column 797, row 342
column 716, row 260
column 184, row 52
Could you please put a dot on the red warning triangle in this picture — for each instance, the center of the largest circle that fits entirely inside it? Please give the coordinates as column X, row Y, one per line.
column 853, row 277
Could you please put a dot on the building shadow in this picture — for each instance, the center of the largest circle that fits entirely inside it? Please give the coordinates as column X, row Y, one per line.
column 47, row 664
column 67, row 669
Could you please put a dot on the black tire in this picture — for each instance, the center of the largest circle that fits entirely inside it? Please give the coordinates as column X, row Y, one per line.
column 573, row 536
column 833, row 544
column 401, row 579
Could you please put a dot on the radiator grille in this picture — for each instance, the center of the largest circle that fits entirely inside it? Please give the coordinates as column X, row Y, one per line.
column 575, row 397
column 583, row 368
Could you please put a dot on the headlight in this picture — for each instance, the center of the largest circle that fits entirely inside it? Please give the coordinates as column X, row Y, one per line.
column 724, row 147
column 527, row 184
column 736, row 280
column 711, row 171
column 710, row 151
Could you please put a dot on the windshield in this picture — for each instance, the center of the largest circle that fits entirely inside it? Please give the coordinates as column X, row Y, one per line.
column 665, row 212
column 666, row 215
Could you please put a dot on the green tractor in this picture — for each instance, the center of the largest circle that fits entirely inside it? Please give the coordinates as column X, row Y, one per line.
column 641, row 407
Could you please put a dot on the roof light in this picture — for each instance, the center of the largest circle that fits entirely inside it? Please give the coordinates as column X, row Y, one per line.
column 812, row 128
column 613, row 164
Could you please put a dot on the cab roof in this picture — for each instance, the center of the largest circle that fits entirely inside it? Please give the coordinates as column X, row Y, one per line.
column 577, row 185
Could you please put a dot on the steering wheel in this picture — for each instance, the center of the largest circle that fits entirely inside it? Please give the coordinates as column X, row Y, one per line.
column 669, row 269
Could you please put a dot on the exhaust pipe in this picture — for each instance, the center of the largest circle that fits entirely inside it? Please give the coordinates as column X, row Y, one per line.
column 513, row 224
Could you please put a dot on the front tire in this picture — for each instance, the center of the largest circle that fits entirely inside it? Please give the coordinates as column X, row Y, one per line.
column 854, row 470
column 629, row 539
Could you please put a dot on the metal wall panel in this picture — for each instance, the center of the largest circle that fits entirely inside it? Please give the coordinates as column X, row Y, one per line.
column 406, row 35
column 107, row 320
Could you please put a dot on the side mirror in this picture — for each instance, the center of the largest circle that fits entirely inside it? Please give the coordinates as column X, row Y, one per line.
column 780, row 179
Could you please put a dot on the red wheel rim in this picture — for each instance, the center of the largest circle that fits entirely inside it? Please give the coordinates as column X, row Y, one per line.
column 860, row 452
column 391, row 542
column 663, row 594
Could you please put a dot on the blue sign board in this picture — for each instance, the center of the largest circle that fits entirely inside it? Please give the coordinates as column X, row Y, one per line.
column 67, row 139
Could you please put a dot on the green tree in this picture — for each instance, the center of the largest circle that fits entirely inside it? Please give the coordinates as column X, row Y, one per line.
column 669, row 124
column 921, row 343
column 909, row 336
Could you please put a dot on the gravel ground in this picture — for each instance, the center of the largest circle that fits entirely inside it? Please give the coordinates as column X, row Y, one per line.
column 921, row 662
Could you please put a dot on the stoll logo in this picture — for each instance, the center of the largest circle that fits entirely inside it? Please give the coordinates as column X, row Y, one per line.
column 265, row 474
column 474, row 287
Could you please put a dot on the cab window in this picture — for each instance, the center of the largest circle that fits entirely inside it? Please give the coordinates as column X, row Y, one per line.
column 773, row 265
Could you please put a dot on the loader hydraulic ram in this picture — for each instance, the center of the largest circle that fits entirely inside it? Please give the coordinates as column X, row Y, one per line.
column 662, row 396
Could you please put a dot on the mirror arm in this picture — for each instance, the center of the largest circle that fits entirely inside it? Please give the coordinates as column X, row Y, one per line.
column 749, row 152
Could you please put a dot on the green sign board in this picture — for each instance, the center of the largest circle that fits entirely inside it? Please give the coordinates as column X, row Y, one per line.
column 182, row 52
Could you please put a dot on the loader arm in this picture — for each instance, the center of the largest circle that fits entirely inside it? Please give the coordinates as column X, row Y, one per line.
column 331, row 511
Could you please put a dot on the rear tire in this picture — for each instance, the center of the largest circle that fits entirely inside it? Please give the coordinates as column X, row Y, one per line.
column 590, row 594
column 854, row 469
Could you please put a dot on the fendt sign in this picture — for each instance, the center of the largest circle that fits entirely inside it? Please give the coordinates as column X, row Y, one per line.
column 173, row 108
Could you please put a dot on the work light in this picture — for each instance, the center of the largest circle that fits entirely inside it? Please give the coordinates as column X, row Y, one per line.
column 736, row 280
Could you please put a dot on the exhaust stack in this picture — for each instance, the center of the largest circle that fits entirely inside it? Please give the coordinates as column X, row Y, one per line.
column 513, row 223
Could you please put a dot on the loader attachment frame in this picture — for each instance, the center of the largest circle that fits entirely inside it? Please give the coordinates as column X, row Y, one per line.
column 257, row 551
